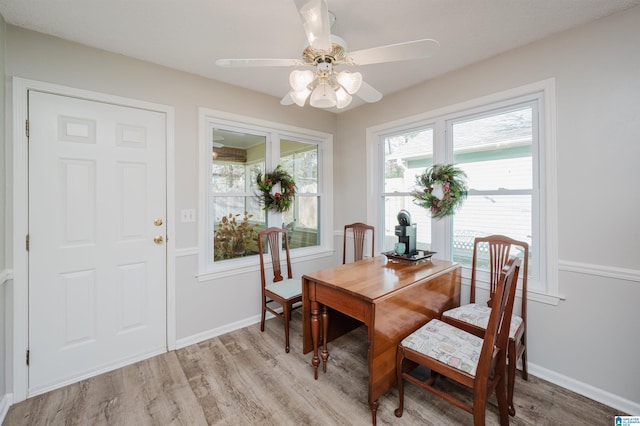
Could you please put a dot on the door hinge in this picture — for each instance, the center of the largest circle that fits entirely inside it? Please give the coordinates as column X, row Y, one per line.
column 26, row 127
column 27, row 242
column 27, row 357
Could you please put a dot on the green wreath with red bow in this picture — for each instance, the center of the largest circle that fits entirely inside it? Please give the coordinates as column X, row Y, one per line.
column 454, row 190
column 279, row 201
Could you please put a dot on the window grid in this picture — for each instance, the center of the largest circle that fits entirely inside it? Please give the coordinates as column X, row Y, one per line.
column 497, row 146
column 234, row 154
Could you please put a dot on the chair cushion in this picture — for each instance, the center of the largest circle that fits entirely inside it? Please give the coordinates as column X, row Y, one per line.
column 447, row 344
column 477, row 314
column 287, row 288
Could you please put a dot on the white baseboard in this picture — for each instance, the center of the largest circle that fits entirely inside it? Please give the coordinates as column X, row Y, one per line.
column 210, row 334
column 6, row 399
column 227, row 328
column 5, row 403
column 624, row 405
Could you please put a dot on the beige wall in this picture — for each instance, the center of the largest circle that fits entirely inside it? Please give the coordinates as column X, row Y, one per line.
column 3, row 176
column 3, row 263
column 36, row 56
column 588, row 341
column 202, row 308
column 591, row 337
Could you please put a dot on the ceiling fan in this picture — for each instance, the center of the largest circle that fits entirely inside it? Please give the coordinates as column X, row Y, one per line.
column 325, row 86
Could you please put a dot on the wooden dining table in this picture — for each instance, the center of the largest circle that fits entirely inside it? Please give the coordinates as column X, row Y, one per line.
column 391, row 299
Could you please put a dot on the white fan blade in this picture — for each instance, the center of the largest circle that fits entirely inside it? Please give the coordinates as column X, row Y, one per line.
column 368, row 94
column 315, row 20
column 257, row 62
column 395, row 52
column 286, row 100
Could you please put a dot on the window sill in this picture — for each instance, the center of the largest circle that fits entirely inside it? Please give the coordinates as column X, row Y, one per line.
column 534, row 293
column 252, row 264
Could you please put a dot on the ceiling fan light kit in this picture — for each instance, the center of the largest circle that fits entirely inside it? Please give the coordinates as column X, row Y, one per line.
column 299, row 80
column 300, row 97
column 323, row 96
column 343, row 99
column 326, row 88
column 351, row 81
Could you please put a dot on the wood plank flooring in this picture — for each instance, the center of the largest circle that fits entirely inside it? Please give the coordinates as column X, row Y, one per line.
column 246, row 378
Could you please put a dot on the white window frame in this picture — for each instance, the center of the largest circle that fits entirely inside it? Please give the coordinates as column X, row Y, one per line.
column 546, row 290
column 208, row 118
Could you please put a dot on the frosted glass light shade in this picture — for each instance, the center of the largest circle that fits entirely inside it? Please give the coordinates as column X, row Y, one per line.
column 351, row 81
column 343, row 98
column 300, row 97
column 323, row 96
column 299, row 80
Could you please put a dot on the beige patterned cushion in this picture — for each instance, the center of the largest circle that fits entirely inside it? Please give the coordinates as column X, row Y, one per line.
column 476, row 314
column 287, row 288
column 447, row 344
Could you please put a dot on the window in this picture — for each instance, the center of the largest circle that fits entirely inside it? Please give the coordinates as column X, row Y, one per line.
column 233, row 153
column 498, row 143
column 406, row 155
column 301, row 161
column 495, row 149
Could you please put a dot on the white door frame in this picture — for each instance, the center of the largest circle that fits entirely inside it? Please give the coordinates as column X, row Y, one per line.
column 16, row 362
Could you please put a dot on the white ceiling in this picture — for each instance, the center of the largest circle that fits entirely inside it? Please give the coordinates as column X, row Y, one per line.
column 189, row 35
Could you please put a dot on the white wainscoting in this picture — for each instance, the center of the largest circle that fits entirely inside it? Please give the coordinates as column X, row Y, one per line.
column 5, row 403
column 189, row 251
column 600, row 270
column 607, row 398
column 615, row 401
column 5, row 400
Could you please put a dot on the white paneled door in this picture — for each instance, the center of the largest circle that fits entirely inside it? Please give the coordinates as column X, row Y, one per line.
column 97, row 255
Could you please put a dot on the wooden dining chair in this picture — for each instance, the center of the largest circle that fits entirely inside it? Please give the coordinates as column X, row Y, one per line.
column 475, row 362
column 285, row 291
column 359, row 231
column 474, row 317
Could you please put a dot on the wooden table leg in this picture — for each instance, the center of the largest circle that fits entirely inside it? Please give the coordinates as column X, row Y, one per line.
column 315, row 331
column 325, row 331
column 374, row 411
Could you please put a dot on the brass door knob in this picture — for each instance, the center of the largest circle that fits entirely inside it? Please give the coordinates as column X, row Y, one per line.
column 158, row 239
column 157, row 222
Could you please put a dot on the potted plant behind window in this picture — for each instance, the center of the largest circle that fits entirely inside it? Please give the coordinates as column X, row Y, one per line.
column 234, row 238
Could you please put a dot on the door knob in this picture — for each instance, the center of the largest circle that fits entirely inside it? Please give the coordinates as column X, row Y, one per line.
column 158, row 239
column 157, row 222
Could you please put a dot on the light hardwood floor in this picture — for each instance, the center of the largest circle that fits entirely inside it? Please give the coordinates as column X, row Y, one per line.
column 246, row 378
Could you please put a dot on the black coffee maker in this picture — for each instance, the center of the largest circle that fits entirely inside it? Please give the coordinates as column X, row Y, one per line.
column 406, row 233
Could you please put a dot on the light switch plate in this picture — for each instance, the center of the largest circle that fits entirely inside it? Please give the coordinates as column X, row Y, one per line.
column 187, row 215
